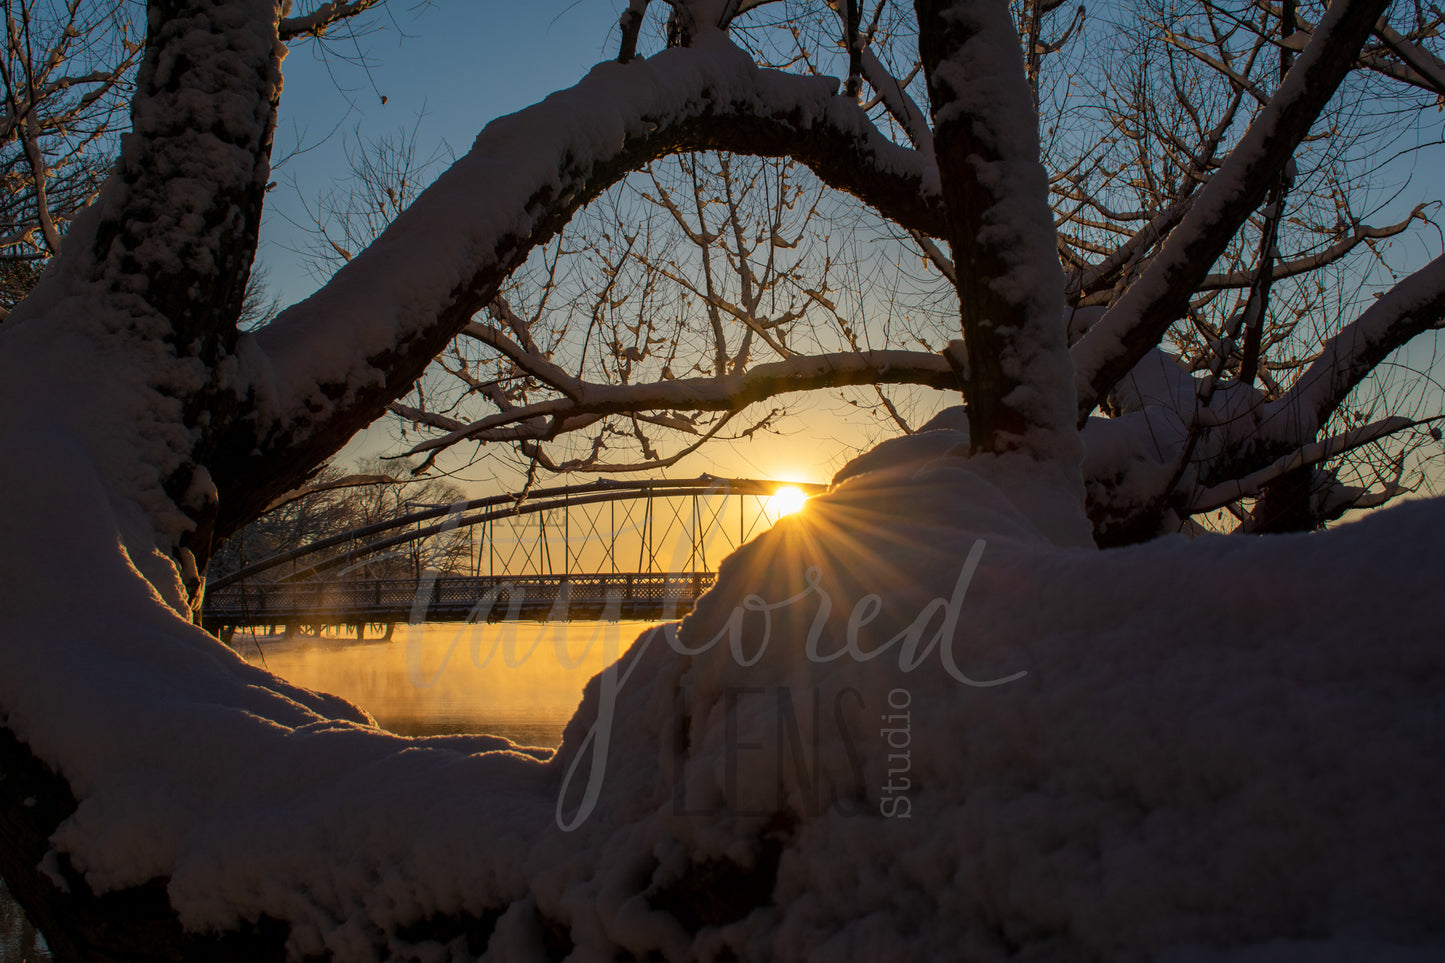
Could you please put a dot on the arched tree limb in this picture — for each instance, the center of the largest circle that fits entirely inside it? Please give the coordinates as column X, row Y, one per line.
column 457, row 244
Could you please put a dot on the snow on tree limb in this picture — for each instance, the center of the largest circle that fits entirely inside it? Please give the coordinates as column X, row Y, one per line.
column 1139, row 319
column 189, row 163
column 895, row 99
column 164, row 254
column 532, row 362
column 1414, row 305
column 1311, row 454
column 1421, row 68
column 338, row 358
column 1415, row 65
column 630, row 25
column 1099, row 279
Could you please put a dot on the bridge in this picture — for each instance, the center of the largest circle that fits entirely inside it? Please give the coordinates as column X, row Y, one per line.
column 553, row 554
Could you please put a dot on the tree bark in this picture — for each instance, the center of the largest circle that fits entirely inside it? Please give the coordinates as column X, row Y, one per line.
column 1007, row 274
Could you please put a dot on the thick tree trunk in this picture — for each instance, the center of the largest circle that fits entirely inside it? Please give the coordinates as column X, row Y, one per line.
column 1286, row 505
column 161, row 260
column 1010, row 284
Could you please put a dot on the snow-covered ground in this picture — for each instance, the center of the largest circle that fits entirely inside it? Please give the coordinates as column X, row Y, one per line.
column 906, row 725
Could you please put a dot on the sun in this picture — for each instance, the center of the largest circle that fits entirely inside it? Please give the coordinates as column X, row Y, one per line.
column 786, row 501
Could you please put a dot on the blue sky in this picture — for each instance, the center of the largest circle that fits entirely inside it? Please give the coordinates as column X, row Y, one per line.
column 454, row 65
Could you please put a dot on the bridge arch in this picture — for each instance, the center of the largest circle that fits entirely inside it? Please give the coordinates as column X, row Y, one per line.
column 554, row 547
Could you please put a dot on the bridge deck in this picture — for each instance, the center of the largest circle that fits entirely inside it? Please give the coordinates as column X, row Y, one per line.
column 457, row 599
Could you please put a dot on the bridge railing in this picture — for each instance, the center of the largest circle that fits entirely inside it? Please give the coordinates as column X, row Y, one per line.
column 450, row 597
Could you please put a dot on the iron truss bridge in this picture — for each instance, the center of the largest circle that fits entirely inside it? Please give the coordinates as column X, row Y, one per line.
column 606, row 550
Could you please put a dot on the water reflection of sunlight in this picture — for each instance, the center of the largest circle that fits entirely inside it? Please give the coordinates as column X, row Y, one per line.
column 522, row 680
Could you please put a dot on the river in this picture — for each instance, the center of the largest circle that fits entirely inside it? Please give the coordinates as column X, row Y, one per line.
column 521, row 680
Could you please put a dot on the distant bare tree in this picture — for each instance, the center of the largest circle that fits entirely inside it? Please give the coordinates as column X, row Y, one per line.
column 335, row 501
column 66, row 73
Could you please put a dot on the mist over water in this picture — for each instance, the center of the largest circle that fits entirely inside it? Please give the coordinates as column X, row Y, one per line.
column 522, row 680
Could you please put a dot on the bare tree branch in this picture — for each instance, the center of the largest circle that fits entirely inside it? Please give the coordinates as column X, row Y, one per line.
column 1313, row 262
column 314, row 24
column 1311, row 454
column 729, row 393
column 1138, row 320
column 1414, row 305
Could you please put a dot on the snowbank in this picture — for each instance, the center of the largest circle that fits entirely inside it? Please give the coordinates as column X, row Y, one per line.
column 908, row 726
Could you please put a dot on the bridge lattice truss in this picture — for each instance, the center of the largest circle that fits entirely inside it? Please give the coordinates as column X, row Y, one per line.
column 610, row 549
